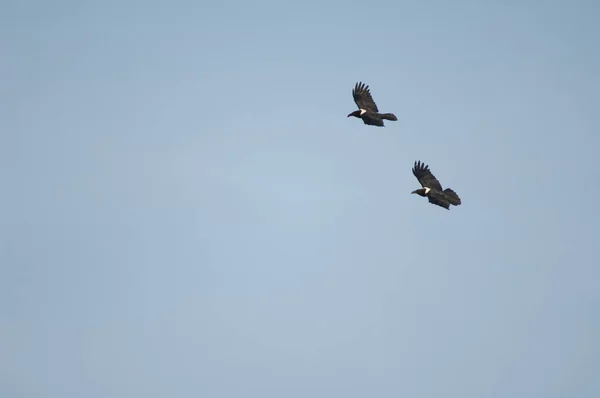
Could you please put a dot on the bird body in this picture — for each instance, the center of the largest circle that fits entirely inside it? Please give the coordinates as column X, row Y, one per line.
column 367, row 109
column 432, row 189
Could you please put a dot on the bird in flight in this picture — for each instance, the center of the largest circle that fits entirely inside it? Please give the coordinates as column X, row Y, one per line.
column 367, row 109
column 432, row 189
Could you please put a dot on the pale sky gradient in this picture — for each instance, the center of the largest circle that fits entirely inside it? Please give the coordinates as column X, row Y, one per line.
column 187, row 212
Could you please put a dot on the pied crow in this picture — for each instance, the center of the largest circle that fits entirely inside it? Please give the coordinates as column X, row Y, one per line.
column 432, row 189
column 367, row 109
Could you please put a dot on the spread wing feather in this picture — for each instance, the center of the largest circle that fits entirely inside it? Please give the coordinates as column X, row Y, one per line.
column 363, row 99
column 425, row 177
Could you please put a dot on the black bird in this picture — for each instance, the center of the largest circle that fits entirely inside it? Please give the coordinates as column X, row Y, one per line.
column 432, row 189
column 367, row 109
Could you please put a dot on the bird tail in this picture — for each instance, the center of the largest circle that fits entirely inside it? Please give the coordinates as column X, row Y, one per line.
column 452, row 197
column 388, row 116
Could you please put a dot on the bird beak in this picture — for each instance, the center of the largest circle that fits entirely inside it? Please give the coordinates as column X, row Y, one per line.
column 413, row 192
column 349, row 115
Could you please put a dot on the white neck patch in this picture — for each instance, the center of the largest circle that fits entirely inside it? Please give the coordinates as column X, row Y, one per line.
column 362, row 111
column 427, row 190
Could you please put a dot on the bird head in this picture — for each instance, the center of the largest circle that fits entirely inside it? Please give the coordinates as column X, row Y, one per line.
column 420, row 192
column 355, row 114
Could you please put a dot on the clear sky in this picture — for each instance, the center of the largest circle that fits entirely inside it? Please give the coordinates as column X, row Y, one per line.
column 186, row 211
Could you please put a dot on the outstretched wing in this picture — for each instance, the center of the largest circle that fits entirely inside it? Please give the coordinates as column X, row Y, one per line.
column 438, row 198
column 363, row 99
column 425, row 177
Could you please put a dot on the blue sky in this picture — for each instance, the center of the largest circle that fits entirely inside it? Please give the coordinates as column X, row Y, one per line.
column 187, row 211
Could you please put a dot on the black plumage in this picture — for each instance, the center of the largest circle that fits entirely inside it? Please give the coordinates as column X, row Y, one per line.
column 432, row 189
column 367, row 109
